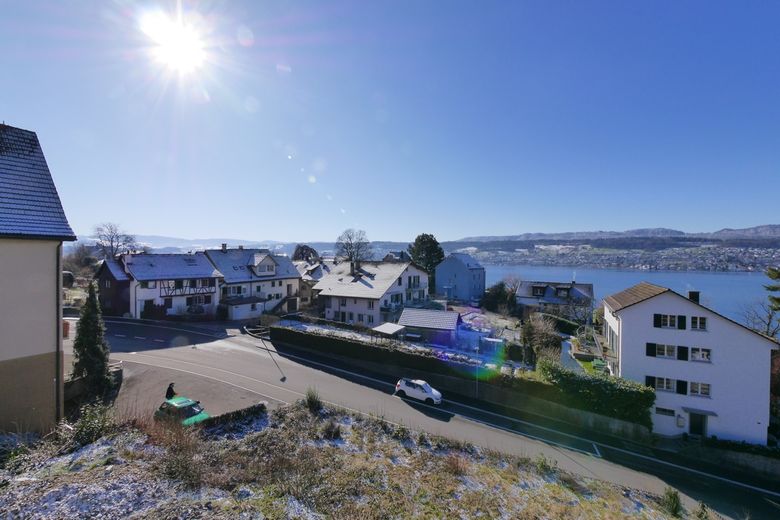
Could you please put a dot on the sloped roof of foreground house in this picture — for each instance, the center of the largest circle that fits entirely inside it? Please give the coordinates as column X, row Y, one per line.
column 147, row 267
column 372, row 280
column 429, row 319
column 237, row 265
column 644, row 291
column 29, row 204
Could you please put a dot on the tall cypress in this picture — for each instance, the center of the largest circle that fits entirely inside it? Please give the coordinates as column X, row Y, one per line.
column 91, row 349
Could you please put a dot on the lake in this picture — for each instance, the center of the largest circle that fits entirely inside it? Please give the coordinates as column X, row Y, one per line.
column 726, row 293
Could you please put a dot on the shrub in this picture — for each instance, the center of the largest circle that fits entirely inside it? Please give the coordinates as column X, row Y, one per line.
column 671, row 503
column 742, row 446
column 701, row 513
column 182, row 445
column 95, row 421
column 331, row 430
column 400, row 432
column 312, row 400
column 545, row 465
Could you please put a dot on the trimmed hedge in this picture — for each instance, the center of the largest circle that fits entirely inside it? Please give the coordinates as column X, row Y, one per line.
column 602, row 394
column 616, row 398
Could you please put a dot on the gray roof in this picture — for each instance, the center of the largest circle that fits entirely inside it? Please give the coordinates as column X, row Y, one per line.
column 146, row 267
column 115, row 269
column 237, row 265
column 371, row 281
column 29, row 204
column 429, row 319
column 467, row 260
column 578, row 292
column 315, row 271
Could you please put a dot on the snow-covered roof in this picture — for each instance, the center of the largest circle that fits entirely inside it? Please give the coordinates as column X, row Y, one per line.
column 143, row 267
column 29, row 203
column 372, row 280
column 313, row 272
column 389, row 329
column 467, row 260
column 429, row 319
column 237, row 265
column 116, row 270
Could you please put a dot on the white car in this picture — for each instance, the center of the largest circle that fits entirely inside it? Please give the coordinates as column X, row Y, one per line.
column 417, row 389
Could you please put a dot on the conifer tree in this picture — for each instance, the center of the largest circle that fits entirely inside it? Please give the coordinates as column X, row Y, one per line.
column 774, row 300
column 91, row 349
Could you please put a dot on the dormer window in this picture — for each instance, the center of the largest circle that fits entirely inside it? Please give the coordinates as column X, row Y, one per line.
column 563, row 293
column 538, row 290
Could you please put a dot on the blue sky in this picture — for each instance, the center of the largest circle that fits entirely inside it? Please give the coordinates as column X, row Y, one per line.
column 454, row 118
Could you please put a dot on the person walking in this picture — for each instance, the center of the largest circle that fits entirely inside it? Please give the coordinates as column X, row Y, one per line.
column 170, row 393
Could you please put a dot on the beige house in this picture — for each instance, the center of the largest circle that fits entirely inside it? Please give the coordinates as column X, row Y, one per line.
column 32, row 229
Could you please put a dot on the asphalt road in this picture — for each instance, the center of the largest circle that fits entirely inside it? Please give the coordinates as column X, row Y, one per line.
column 231, row 372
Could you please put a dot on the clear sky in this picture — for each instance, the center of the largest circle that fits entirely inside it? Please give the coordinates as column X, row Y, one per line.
column 291, row 120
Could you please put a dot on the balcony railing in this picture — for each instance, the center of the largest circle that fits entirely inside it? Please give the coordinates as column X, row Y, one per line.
column 185, row 291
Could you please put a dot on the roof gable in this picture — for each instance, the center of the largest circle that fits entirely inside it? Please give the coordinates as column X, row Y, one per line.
column 467, row 260
column 29, row 204
column 239, row 265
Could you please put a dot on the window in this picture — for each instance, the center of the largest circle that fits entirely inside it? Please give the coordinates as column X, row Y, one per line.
column 178, row 284
column 701, row 354
column 668, row 320
column 207, row 299
column 370, row 304
column 538, row 291
column 193, row 283
column 189, row 301
column 664, row 384
column 351, row 316
column 400, row 282
column 664, row 411
column 204, row 282
column 343, row 301
column 700, row 389
column 563, row 293
column 257, row 289
column 360, row 318
column 665, row 351
column 370, row 319
column 698, row 323
column 144, row 285
column 354, row 300
column 107, row 283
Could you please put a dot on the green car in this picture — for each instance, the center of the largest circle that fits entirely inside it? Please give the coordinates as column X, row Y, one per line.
column 182, row 409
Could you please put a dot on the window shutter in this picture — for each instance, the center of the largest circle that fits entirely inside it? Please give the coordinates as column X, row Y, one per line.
column 682, row 353
column 682, row 387
column 650, row 381
column 657, row 320
column 650, row 349
column 681, row 322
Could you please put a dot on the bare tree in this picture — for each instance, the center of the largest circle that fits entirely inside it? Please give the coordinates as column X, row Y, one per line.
column 353, row 246
column 762, row 317
column 112, row 240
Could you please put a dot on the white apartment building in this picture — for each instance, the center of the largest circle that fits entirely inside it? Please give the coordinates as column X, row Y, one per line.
column 711, row 375
column 171, row 285
column 255, row 281
column 371, row 292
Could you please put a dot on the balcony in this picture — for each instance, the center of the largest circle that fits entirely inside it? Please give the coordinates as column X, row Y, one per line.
column 167, row 291
column 418, row 286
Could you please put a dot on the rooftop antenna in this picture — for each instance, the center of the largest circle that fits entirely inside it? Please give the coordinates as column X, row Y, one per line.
column 574, row 276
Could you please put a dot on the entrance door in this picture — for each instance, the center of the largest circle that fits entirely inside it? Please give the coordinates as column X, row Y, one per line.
column 698, row 424
column 344, row 317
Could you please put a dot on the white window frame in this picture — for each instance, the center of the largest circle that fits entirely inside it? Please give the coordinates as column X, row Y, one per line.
column 664, row 411
column 669, row 385
column 370, row 304
column 699, row 389
column 668, row 321
column 701, row 355
column 698, row 323
column 662, row 351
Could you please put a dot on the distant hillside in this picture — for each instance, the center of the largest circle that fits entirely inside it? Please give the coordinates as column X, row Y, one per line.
column 766, row 231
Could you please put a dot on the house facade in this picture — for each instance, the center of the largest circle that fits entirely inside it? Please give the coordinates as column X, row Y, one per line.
column 372, row 292
column 710, row 374
column 166, row 285
column 460, row 277
column 33, row 227
column 570, row 300
column 113, row 288
column 255, row 281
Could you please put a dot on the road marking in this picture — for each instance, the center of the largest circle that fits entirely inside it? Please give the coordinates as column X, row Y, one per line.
column 370, row 415
column 160, row 340
column 595, row 444
column 165, row 327
column 138, row 337
column 120, row 335
column 597, row 449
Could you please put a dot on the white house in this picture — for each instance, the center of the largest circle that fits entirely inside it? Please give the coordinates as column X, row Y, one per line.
column 371, row 292
column 255, row 281
column 711, row 374
column 171, row 285
column 32, row 229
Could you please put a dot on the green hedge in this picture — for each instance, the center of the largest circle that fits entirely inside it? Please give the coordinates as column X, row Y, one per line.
column 562, row 324
column 616, row 398
column 602, row 394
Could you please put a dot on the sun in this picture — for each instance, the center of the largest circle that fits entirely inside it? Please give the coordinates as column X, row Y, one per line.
column 175, row 44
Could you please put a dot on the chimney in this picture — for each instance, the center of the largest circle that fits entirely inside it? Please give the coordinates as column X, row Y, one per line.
column 224, row 247
column 352, row 268
column 693, row 296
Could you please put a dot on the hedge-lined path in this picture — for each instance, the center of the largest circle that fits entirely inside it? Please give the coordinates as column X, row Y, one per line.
column 239, row 362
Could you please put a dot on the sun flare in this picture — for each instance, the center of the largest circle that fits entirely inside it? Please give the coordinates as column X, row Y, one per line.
column 175, row 44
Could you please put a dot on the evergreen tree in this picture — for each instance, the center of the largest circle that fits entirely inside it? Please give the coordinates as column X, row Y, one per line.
column 90, row 347
column 305, row 252
column 774, row 300
column 427, row 253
